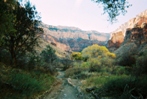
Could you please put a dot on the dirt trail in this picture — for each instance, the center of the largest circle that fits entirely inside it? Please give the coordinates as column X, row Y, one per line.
column 66, row 90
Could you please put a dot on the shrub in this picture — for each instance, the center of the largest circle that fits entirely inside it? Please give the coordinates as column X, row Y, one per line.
column 76, row 73
column 48, row 58
column 123, row 87
column 17, row 83
column 141, row 64
column 120, row 70
column 28, row 61
column 96, row 51
column 96, row 81
column 97, row 57
column 126, row 60
column 48, row 54
column 24, row 83
column 76, row 56
column 66, row 63
column 95, row 65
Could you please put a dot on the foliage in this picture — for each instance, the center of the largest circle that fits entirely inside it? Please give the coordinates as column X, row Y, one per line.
column 113, row 7
column 126, row 60
column 123, row 87
column 110, row 80
column 76, row 55
column 121, row 70
column 97, row 57
column 48, row 54
column 141, row 64
column 6, row 18
column 16, row 83
column 29, row 61
column 66, row 63
column 25, row 83
column 76, row 73
column 24, row 38
column 48, row 59
column 96, row 80
column 95, row 51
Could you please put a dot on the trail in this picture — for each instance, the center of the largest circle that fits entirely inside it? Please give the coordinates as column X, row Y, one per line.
column 68, row 89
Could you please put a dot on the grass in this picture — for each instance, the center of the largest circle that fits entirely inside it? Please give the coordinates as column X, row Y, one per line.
column 17, row 83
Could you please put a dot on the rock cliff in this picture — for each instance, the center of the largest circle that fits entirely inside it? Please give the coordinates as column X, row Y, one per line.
column 71, row 38
column 134, row 29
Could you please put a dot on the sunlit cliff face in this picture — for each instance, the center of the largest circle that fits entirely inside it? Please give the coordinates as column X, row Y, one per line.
column 129, row 28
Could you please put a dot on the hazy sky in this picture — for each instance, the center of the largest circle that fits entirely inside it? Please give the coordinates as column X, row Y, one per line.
column 83, row 14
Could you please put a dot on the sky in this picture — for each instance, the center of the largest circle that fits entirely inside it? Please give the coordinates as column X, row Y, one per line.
column 83, row 14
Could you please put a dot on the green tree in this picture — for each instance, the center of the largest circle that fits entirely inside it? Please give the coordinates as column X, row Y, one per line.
column 48, row 59
column 113, row 7
column 48, row 54
column 26, row 34
column 6, row 17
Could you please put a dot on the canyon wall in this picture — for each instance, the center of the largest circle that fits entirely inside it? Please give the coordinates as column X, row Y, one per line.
column 118, row 36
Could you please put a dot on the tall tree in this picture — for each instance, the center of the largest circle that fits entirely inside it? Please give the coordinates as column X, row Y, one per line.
column 25, row 36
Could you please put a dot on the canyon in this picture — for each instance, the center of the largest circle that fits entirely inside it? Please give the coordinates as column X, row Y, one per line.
column 72, row 38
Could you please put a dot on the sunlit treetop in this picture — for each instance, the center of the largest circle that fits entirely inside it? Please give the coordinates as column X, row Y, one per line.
column 113, row 8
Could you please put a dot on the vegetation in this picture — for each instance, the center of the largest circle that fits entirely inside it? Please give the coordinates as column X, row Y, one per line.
column 113, row 7
column 103, row 75
column 25, row 72
column 123, row 87
column 24, row 31
column 76, row 55
column 16, row 83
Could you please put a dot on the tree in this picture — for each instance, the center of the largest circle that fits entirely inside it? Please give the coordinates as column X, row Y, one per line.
column 48, row 54
column 113, row 7
column 6, row 17
column 26, row 34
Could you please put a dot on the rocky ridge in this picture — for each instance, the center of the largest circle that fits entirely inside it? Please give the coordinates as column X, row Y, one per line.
column 131, row 30
column 71, row 38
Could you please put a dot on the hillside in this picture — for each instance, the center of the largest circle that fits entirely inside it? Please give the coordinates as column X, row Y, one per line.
column 118, row 36
column 71, row 38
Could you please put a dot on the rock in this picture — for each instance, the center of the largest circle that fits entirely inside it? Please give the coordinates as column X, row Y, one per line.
column 134, row 29
column 71, row 38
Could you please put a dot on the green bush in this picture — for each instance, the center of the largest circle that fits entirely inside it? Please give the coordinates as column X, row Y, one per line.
column 67, row 63
column 25, row 84
column 76, row 73
column 120, row 70
column 76, row 56
column 48, row 58
column 48, row 54
column 126, row 60
column 141, row 65
column 123, row 87
column 96, row 81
